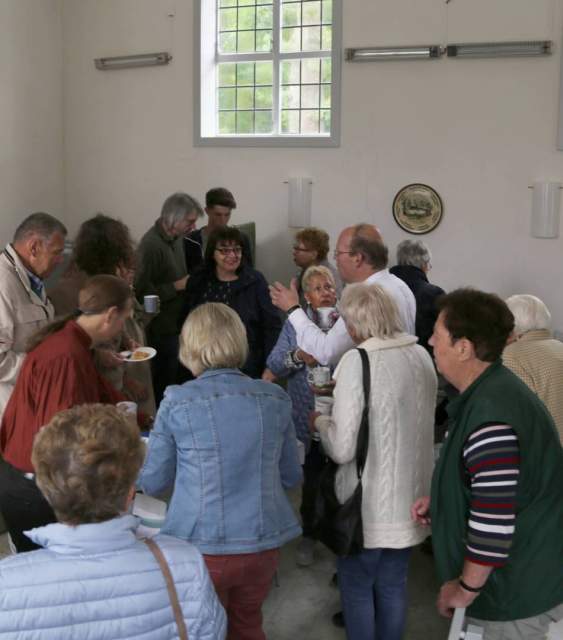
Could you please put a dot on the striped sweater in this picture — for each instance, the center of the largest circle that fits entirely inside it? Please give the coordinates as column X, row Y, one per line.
column 491, row 458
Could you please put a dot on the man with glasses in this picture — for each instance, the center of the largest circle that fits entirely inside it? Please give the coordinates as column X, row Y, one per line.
column 360, row 256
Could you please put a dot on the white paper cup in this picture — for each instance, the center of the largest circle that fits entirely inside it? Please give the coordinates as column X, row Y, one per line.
column 150, row 304
column 129, row 408
column 323, row 404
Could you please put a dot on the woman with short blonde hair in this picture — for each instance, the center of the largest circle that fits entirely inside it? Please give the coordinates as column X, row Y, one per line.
column 226, row 444
column 199, row 347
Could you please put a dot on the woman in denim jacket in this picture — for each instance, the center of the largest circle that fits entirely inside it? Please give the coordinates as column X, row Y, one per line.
column 227, row 445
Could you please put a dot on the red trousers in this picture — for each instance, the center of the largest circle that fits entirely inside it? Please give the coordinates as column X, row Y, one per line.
column 242, row 583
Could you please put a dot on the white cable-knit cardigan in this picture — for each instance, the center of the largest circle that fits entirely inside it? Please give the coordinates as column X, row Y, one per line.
column 400, row 454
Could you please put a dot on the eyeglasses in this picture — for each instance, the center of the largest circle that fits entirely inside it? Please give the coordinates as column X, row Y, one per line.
column 302, row 249
column 337, row 253
column 225, row 251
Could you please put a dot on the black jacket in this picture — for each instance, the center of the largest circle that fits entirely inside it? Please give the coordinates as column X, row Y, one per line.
column 425, row 295
column 193, row 250
column 250, row 298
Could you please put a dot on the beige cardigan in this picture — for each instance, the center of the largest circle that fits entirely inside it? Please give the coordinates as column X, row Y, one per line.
column 400, row 454
column 22, row 313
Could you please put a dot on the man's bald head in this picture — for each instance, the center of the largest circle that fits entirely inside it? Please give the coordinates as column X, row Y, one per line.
column 366, row 239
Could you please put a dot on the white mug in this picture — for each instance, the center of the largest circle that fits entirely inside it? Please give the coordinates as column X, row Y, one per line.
column 323, row 404
column 151, row 304
column 320, row 376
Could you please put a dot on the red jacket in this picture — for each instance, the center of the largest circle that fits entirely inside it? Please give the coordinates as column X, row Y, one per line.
column 58, row 374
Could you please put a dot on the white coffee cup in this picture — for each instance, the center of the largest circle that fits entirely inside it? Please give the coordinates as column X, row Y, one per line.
column 323, row 404
column 127, row 407
column 320, row 376
column 324, row 314
column 151, row 304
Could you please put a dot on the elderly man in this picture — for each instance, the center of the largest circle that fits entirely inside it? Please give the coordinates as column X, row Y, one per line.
column 360, row 256
column 496, row 501
column 35, row 251
column 219, row 205
column 162, row 272
column 535, row 356
column 413, row 265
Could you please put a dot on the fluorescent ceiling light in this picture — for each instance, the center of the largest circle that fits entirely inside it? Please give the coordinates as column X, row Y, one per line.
column 500, row 49
column 129, row 62
column 382, row 54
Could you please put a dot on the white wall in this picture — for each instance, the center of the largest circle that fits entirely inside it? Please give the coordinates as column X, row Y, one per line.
column 478, row 131
column 31, row 111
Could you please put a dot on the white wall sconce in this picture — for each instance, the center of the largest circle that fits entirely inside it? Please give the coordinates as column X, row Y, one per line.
column 133, row 61
column 384, row 54
column 299, row 203
column 546, row 198
column 499, row 49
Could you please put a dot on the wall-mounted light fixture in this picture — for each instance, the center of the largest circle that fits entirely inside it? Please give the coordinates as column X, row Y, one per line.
column 382, row 54
column 499, row 49
column 546, row 197
column 130, row 62
column 299, row 202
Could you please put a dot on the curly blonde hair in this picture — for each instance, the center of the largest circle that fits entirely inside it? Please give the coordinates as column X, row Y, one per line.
column 86, row 460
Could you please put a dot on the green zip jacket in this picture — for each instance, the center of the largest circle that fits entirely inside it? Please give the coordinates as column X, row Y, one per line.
column 531, row 582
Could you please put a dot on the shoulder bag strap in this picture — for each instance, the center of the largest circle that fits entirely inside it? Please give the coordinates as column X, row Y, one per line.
column 363, row 433
column 172, row 593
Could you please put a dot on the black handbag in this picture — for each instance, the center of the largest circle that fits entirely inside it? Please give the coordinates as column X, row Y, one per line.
column 339, row 526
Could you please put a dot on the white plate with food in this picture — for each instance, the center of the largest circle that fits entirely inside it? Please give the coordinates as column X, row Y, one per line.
column 138, row 355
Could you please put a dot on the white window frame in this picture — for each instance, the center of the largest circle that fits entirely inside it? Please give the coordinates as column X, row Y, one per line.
column 205, row 90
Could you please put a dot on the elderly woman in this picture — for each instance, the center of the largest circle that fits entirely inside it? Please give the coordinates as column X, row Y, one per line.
column 104, row 245
column 311, row 248
column 534, row 355
column 287, row 361
column 227, row 445
column 225, row 277
column 95, row 579
column 413, row 266
column 58, row 373
column 399, row 457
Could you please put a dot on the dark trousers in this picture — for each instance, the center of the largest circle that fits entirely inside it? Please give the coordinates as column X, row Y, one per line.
column 315, row 461
column 22, row 505
column 164, row 365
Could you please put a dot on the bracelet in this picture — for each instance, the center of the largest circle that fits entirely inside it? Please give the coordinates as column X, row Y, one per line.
column 294, row 308
column 465, row 586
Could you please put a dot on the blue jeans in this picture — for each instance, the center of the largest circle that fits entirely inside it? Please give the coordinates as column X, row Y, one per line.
column 373, row 589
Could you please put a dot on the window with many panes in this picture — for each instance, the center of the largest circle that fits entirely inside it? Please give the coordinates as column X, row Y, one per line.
column 268, row 71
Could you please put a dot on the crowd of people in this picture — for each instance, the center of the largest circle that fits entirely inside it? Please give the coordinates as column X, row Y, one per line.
column 251, row 391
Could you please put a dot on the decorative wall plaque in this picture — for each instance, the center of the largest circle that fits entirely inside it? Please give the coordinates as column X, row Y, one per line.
column 417, row 208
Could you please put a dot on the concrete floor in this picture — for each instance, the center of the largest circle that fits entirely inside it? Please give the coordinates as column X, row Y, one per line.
column 303, row 603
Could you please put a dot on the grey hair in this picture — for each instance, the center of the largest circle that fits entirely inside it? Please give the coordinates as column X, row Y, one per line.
column 370, row 312
column 414, row 253
column 177, row 206
column 529, row 312
column 42, row 224
column 316, row 270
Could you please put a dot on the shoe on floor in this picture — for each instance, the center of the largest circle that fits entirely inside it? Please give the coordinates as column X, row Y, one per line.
column 305, row 554
column 338, row 619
